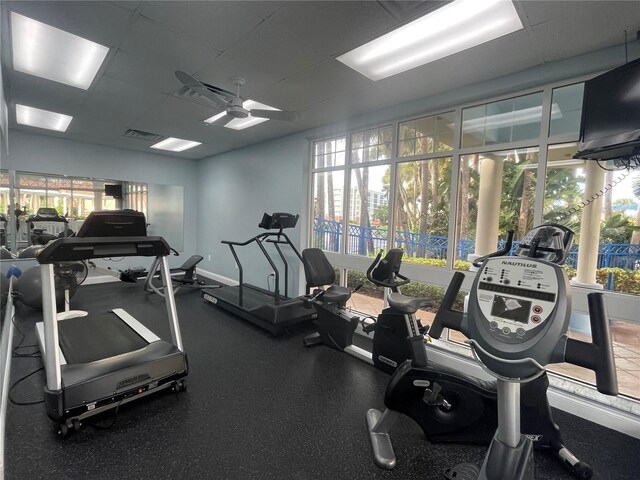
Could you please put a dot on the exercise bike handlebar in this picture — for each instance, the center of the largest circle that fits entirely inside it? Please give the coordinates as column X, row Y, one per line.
column 598, row 355
column 499, row 253
column 447, row 317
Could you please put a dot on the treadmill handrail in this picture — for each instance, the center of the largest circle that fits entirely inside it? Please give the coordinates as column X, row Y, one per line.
column 258, row 239
column 85, row 248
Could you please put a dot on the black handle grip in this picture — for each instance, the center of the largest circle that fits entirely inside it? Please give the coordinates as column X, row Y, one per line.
column 446, row 316
column 597, row 355
column 500, row 253
column 368, row 328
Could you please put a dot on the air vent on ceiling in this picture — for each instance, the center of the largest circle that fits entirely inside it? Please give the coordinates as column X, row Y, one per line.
column 140, row 135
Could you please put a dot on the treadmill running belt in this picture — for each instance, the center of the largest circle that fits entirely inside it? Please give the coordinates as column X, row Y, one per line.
column 97, row 336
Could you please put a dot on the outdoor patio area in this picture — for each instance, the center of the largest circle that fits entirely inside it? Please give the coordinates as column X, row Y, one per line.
column 625, row 337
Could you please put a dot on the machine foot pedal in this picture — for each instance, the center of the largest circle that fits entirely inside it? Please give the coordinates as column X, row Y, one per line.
column 463, row 471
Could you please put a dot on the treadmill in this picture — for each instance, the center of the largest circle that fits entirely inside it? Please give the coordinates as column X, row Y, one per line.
column 98, row 361
column 271, row 310
column 38, row 235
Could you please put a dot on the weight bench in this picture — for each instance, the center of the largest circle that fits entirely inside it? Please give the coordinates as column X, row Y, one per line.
column 189, row 279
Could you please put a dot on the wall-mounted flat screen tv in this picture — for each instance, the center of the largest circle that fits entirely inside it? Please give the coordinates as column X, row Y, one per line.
column 610, row 127
column 114, row 191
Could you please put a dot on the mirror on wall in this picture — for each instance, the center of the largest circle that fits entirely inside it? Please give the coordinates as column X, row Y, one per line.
column 36, row 207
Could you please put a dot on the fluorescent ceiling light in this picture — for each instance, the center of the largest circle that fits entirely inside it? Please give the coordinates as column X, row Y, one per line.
column 175, row 144
column 457, row 26
column 47, row 52
column 35, row 117
column 242, row 123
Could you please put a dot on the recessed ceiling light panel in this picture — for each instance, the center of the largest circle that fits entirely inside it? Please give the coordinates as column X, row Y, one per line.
column 175, row 144
column 34, row 117
column 457, row 26
column 242, row 123
column 51, row 53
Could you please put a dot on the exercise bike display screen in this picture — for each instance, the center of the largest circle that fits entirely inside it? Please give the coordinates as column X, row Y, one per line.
column 511, row 308
column 515, row 298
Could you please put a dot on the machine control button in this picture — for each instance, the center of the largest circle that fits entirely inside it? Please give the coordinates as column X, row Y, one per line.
column 535, row 319
column 506, row 330
column 489, row 279
column 537, row 309
column 506, row 281
column 493, row 325
column 521, row 332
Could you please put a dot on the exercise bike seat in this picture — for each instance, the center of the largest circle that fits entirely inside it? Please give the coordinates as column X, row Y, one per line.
column 191, row 262
column 336, row 294
column 405, row 304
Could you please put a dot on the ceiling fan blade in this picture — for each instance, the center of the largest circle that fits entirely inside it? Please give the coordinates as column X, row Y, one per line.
column 197, row 86
column 275, row 114
column 222, row 121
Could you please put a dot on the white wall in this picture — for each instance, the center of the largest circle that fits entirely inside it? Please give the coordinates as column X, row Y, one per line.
column 236, row 188
column 47, row 154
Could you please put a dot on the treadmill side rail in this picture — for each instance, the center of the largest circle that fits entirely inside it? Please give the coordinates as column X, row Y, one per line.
column 51, row 358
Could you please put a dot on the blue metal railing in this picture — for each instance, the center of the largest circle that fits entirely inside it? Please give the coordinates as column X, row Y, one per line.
column 327, row 235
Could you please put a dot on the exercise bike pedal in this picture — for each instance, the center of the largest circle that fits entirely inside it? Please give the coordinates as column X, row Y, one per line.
column 463, row 471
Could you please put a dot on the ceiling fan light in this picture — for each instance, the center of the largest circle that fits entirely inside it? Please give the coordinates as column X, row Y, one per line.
column 451, row 29
column 242, row 123
column 35, row 117
column 44, row 51
column 175, row 144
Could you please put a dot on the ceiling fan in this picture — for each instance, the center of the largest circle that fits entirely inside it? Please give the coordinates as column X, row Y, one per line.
column 231, row 102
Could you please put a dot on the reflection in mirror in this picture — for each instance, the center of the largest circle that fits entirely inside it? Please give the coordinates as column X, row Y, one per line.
column 47, row 206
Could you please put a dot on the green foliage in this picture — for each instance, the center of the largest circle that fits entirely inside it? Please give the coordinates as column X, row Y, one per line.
column 618, row 228
column 626, row 281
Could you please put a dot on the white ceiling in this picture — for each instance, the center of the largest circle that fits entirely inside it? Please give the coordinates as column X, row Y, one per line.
column 286, row 52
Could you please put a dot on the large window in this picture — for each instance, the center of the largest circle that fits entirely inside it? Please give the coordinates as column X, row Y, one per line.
column 506, row 121
column 490, row 182
column 447, row 187
column 422, row 210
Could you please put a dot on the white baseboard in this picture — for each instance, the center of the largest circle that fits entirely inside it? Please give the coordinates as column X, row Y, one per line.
column 217, row 278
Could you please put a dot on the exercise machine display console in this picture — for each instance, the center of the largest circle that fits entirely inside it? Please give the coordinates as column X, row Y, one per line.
column 518, row 316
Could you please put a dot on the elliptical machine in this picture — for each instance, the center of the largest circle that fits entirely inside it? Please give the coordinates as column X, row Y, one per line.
column 336, row 325
column 453, row 407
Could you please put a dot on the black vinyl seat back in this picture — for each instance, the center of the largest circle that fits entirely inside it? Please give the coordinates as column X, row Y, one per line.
column 318, row 271
column 389, row 267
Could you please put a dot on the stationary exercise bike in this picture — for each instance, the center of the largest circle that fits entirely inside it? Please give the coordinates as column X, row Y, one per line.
column 450, row 406
column 336, row 325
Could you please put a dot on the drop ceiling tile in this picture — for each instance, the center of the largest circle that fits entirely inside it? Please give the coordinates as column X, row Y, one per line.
column 334, row 27
column 575, row 34
column 327, row 79
column 175, row 113
column 139, row 72
column 100, row 22
column 219, row 71
column 217, row 25
column 272, row 50
column 42, row 93
column 161, row 47
column 263, row 9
